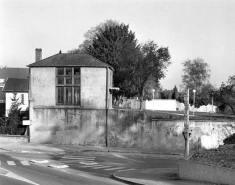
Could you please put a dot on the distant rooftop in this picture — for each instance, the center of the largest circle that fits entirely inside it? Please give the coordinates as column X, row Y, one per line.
column 16, row 85
column 69, row 59
column 14, row 73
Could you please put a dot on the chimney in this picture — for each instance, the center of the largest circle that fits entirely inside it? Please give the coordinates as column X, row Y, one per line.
column 38, row 52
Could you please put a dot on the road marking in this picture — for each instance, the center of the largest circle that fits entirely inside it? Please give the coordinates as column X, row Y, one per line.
column 25, row 163
column 15, row 176
column 0, row 162
column 35, row 161
column 11, row 163
column 90, row 166
column 74, row 161
column 101, row 167
column 117, row 168
column 71, row 157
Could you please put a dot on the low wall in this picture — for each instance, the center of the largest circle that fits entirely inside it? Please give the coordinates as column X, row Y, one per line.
column 13, row 139
column 125, row 128
column 190, row 170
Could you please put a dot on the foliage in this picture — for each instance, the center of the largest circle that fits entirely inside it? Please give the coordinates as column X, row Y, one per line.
column 14, row 119
column 91, row 34
column 117, row 46
column 229, row 140
column 196, row 74
column 175, row 94
column 224, row 97
column 148, row 90
column 152, row 65
column 12, row 123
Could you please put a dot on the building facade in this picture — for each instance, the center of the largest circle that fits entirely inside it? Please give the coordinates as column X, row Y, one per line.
column 69, row 97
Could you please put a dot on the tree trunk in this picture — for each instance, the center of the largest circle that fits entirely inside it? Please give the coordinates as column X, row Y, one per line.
column 141, row 102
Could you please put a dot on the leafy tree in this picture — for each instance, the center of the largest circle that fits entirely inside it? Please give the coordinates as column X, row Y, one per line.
column 91, row 34
column 148, row 90
column 196, row 74
column 224, row 97
column 117, row 46
column 152, row 65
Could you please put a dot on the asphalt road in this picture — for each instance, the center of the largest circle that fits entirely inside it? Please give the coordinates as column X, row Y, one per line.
column 17, row 170
column 84, row 168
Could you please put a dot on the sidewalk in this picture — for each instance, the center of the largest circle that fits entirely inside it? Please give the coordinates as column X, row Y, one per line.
column 143, row 176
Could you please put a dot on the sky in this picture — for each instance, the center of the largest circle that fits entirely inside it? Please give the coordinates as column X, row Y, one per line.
column 190, row 29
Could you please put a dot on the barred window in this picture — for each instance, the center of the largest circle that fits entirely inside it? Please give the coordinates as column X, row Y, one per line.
column 68, row 86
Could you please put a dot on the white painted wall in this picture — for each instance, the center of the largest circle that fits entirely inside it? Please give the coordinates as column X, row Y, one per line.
column 159, row 104
column 23, row 99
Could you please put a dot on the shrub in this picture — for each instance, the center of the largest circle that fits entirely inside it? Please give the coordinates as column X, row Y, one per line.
column 230, row 139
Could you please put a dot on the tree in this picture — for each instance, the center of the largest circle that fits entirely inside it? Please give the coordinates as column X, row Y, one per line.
column 152, row 65
column 91, row 34
column 117, row 46
column 224, row 97
column 14, row 115
column 175, row 94
column 196, row 74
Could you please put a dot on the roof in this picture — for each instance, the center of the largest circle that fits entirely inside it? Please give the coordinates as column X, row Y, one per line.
column 69, row 59
column 14, row 73
column 16, row 85
column 2, row 94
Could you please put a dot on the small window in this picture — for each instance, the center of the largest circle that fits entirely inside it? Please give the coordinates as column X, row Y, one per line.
column 77, row 71
column 60, row 71
column 68, row 71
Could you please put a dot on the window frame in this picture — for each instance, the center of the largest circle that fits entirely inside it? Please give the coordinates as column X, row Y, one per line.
column 72, row 85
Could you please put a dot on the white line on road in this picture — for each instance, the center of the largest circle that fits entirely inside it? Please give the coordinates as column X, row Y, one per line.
column 78, row 158
column 25, row 163
column 74, row 161
column 101, row 167
column 117, row 168
column 11, row 163
column 90, row 166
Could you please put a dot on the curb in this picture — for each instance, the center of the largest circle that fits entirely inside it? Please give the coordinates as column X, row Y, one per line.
column 192, row 170
column 120, row 179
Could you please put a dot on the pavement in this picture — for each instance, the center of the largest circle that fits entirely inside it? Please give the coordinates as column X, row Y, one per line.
column 164, row 176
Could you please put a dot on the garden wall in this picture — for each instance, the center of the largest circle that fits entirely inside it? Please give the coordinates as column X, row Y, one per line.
column 126, row 128
column 13, row 139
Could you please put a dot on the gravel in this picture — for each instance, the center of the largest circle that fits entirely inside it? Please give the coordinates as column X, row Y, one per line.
column 224, row 156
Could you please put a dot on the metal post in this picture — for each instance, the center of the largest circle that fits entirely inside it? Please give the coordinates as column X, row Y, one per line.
column 186, row 124
column 212, row 103
column 194, row 91
column 153, row 98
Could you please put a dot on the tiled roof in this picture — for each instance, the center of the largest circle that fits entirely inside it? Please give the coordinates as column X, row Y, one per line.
column 16, row 85
column 14, row 73
column 69, row 59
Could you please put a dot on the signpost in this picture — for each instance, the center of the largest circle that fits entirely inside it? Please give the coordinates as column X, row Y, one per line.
column 186, row 123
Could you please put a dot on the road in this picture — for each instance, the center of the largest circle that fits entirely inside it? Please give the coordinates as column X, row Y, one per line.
column 83, row 168
column 21, row 172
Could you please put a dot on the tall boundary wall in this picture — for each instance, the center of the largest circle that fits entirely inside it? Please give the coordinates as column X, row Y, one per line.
column 125, row 128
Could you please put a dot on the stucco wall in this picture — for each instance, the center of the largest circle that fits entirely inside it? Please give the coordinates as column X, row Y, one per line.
column 42, row 86
column 68, row 126
column 126, row 128
column 93, row 87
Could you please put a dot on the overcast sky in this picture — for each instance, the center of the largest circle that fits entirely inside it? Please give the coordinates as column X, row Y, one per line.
column 200, row 28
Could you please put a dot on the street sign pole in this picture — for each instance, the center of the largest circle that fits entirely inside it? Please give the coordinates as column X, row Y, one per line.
column 186, row 124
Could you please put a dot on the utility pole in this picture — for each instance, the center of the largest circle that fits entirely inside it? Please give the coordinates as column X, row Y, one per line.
column 186, row 123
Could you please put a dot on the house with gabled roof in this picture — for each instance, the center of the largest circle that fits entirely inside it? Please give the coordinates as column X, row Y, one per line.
column 6, row 72
column 68, row 98
column 18, row 87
